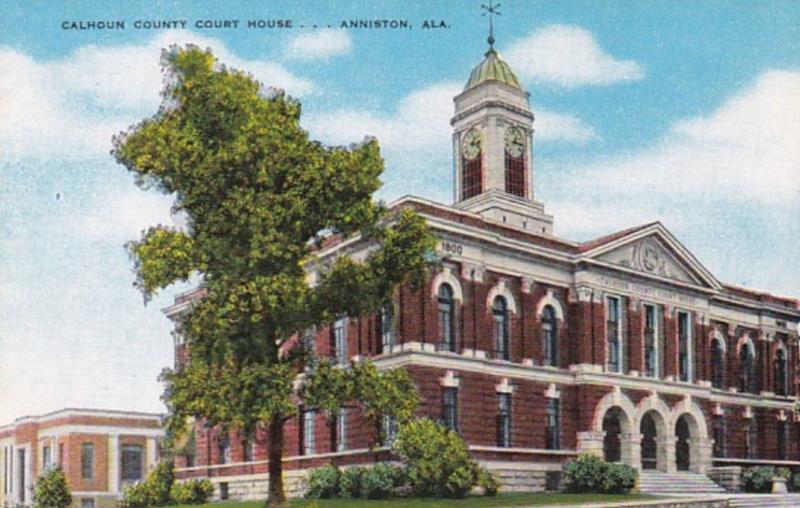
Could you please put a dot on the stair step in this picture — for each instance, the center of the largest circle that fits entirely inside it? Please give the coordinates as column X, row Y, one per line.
column 654, row 482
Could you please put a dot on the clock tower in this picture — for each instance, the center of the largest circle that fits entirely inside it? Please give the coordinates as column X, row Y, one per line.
column 492, row 148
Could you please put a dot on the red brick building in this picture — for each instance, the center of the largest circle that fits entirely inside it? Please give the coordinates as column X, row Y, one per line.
column 535, row 348
column 100, row 452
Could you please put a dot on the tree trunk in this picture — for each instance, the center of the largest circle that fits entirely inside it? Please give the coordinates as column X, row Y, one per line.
column 276, row 494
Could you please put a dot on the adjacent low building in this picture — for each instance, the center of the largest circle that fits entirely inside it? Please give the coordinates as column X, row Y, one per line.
column 100, row 452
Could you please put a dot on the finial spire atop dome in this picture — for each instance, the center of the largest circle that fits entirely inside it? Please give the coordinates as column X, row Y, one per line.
column 491, row 10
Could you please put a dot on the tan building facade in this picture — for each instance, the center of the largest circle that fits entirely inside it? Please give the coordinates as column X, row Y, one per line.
column 99, row 451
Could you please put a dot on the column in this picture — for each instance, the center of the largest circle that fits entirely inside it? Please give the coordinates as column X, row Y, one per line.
column 700, row 455
column 666, row 449
column 591, row 442
column 151, row 456
column 113, row 464
column 632, row 449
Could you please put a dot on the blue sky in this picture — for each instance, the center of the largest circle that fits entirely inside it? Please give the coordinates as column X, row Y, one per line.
column 683, row 112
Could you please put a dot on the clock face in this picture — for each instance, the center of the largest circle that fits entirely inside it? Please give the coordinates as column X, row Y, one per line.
column 471, row 144
column 515, row 141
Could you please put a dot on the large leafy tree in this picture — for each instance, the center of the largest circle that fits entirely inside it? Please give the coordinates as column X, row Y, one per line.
column 260, row 197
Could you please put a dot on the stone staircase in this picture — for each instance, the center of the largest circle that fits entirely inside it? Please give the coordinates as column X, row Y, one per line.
column 682, row 483
column 763, row 500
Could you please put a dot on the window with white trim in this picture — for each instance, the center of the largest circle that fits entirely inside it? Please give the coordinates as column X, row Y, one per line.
column 446, row 303
column 501, row 328
column 550, row 336
column 341, row 430
column 309, row 439
column 387, row 328
column 389, row 429
column 651, row 360
column 504, row 420
column 553, row 429
column 684, row 346
column 340, row 341
column 450, row 408
column 87, row 461
column 132, row 462
column 717, row 363
column 614, row 334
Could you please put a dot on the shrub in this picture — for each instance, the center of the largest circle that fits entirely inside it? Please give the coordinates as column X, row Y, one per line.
column 52, row 490
column 323, row 483
column 381, row 480
column 350, row 481
column 758, row 478
column 195, row 491
column 783, row 472
column 795, row 483
column 155, row 490
column 488, row 482
column 437, row 459
column 590, row 474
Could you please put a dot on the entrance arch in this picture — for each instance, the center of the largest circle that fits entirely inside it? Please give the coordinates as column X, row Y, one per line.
column 614, row 423
column 652, row 428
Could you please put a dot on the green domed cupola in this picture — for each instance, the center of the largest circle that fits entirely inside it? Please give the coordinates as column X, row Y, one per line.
column 492, row 68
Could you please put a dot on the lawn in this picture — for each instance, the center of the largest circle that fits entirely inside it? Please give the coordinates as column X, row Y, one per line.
column 511, row 499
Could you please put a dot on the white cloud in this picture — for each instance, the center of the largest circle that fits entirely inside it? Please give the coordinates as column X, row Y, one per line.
column 422, row 121
column 568, row 56
column 552, row 126
column 70, row 107
column 727, row 183
column 320, row 45
column 122, row 216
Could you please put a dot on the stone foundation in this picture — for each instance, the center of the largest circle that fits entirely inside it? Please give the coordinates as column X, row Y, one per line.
column 729, row 477
column 256, row 487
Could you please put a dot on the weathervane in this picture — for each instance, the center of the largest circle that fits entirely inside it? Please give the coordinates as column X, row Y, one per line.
column 490, row 10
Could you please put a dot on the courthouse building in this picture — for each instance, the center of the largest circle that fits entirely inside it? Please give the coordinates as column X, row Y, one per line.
column 536, row 348
column 99, row 451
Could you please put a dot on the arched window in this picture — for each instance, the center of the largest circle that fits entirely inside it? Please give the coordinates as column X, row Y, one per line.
column 717, row 363
column 747, row 360
column 550, row 336
column 447, row 335
column 781, row 377
column 500, row 314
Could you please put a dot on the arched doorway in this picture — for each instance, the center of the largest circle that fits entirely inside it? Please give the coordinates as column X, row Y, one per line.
column 649, row 441
column 683, row 444
column 613, row 428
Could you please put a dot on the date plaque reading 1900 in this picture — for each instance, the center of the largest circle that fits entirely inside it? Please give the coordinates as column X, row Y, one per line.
column 452, row 247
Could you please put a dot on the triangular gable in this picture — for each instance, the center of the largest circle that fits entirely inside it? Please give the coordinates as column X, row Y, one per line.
column 651, row 250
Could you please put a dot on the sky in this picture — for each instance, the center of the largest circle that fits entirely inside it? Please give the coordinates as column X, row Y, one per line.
column 677, row 111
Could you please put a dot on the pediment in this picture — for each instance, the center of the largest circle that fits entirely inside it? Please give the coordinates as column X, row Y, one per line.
column 649, row 256
column 653, row 251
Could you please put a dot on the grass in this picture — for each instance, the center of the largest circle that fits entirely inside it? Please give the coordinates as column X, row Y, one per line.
column 510, row 499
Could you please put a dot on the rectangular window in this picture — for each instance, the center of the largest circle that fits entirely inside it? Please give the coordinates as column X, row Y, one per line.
column 389, row 430
column 450, row 409
column 341, row 430
column 650, row 342
column 308, row 433
column 720, row 446
column 61, row 454
column 553, row 433
column 47, row 458
column 614, row 359
column 340, row 340
column 751, row 440
column 87, row 461
column 249, row 449
column 684, row 346
column 504, row 421
column 387, row 328
column 132, row 459
column 224, row 449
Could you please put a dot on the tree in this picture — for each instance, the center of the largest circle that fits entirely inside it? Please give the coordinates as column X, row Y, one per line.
column 52, row 490
column 260, row 197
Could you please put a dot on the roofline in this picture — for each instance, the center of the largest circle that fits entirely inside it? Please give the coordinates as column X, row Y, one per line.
column 74, row 411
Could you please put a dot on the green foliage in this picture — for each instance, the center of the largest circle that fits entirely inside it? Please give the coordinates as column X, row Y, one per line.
column 488, row 482
column 437, row 459
column 323, row 482
column 758, row 478
column 379, row 393
column 381, row 481
column 350, row 481
column 194, row 491
column 154, row 490
column 375, row 482
column 795, row 483
column 783, row 472
column 590, row 474
column 52, row 490
column 259, row 196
